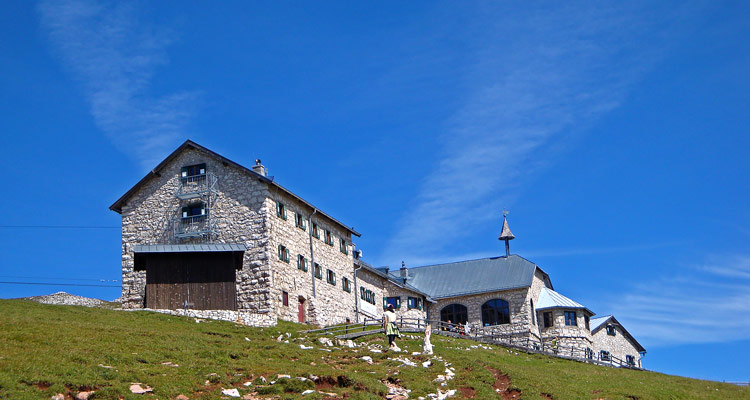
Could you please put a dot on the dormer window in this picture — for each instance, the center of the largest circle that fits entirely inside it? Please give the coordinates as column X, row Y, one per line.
column 193, row 212
column 192, row 173
column 611, row 331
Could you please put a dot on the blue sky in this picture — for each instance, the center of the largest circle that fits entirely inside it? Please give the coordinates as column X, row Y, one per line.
column 616, row 135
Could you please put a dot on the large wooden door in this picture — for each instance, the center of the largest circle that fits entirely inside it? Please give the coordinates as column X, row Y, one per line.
column 201, row 281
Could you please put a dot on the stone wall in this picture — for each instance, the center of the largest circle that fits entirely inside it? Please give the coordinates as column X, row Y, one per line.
column 330, row 304
column 391, row 290
column 239, row 210
column 516, row 299
column 369, row 280
column 577, row 337
column 618, row 346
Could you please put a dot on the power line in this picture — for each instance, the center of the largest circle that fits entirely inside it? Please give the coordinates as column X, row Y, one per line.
column 57, row 284
column 60, row 226
column 66, row 279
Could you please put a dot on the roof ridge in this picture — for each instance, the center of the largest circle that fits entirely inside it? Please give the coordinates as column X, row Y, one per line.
column 474, row 259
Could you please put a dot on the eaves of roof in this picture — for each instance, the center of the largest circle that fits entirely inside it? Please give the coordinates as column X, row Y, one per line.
column 394, row 280
column 117, row 206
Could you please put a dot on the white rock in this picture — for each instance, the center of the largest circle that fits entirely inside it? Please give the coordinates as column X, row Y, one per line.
column 247, row 338
column 248, row 383
column 279, row 376
column 308, row 391
column 325, row 341
column 350, row 344
column 427, row 363
column 58, row 396
column 230, row 392
column 367, row 359
column 415, row 353
column 136, row 388
column 303, row 347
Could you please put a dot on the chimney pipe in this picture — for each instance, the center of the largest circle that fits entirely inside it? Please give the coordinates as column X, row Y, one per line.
column 259, row 168
column 404, row 271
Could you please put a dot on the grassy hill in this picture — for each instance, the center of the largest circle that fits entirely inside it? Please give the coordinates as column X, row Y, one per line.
column 47, row 349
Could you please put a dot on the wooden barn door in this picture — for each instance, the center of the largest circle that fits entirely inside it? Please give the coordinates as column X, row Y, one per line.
column 201, row 281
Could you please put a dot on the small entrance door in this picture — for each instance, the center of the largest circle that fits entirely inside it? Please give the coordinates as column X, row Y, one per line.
column 301, row 310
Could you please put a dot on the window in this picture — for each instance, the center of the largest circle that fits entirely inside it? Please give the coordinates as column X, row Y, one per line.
column 192, row 173
column 611, row 331
column 586, row 321
column 548, row 320
column 299, row 221
column 330, row 277
column 630, row 360
column 329, row 238
column 301, row 262
column 455, row 313
column 589, row 353
column 414, row 302
column 194, row 212
column 280, row 210
column 318, row 271
column 367, row 295
column 346, row 284
column 394, row 301
column 342, row 246
column 495, row 312
column 283, row 253
column 533, row 314
column 285, row 298
column 316, row 231
column 570, row 318
column 604, row 355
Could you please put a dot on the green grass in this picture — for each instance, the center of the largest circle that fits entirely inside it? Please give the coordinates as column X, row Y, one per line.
column 48, row 349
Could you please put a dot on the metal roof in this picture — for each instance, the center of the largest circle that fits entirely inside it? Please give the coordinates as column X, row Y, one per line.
column 394, row 280
column 597, row 322
column 473, row 276
column 117, row 206
column 548, row 298
column 188, row 248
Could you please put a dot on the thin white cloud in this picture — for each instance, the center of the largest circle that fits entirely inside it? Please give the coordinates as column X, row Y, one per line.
column 540, row 78
column 698, row 304
column 115, row 56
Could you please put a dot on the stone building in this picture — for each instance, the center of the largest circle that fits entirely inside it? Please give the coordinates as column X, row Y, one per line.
column 612, row 341
column 203, row 233
column 205, row 236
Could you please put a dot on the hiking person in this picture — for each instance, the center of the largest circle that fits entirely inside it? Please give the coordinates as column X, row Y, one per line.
column 389, row 325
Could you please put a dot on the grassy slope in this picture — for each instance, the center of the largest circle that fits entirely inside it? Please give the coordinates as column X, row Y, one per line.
column 50, row 349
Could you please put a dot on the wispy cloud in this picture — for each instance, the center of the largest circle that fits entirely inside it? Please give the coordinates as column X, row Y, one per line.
column 582, row 251
column 702, row 303
column 115, row 57
column 540, row 78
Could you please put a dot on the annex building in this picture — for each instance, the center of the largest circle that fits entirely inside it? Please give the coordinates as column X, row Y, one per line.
column 205, row 236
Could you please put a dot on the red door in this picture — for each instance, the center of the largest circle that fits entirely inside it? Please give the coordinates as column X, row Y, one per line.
column 301, row 310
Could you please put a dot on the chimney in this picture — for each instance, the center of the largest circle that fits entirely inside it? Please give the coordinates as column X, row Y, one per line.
column 259, row 168
column 404, row 271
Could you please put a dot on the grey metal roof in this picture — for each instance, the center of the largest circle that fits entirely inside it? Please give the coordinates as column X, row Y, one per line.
column 596, row 323
column 394, row 280
column 187, row 248
column 548, row 298
column 473, row 276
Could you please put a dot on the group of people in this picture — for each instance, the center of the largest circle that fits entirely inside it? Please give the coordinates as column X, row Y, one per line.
column 459, row 328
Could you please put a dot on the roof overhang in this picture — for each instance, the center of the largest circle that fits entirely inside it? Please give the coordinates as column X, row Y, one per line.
column 144, row 253
column 611, row 320
column 117, row 206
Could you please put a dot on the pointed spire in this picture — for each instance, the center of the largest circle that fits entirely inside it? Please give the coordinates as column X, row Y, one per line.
column 506, row 234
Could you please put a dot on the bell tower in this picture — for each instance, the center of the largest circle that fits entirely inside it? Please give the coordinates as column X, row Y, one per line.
column 506, row 234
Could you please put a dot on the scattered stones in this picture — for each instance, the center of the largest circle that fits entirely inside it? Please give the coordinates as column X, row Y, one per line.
column 58, row 396
column 230, row 392
column 84, row 395
column 325, row 341
column 280, row 338
column 404, row 361
column 136, row 388
column 67, row 299
column 169, row 364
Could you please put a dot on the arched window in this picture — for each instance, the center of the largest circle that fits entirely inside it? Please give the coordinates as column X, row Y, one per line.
column 456, row 313
column 495, row 312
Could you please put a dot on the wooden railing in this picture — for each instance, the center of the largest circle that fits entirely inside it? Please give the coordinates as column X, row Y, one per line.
column 509, row 335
